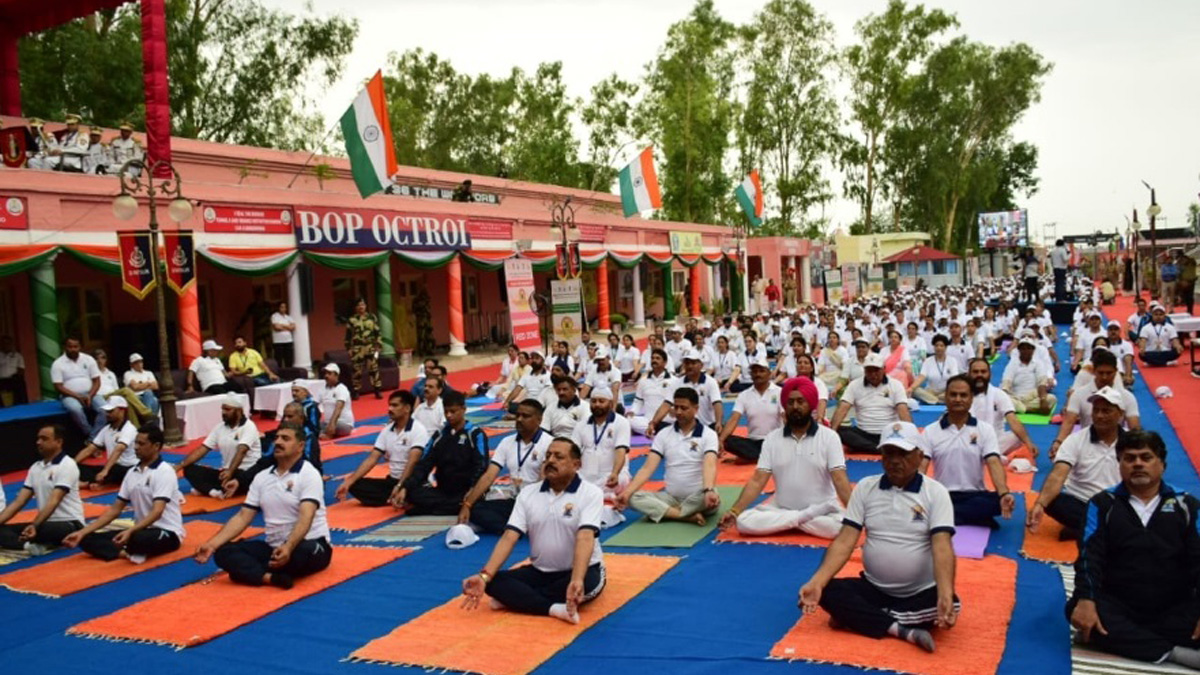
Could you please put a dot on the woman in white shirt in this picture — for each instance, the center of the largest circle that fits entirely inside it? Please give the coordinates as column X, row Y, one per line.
column 833, row 358
column 806, row 367
column 628, row 359
column 500, row 388
column 282, row 337
column 724, row 362
column 916, row 346
column 930, row 384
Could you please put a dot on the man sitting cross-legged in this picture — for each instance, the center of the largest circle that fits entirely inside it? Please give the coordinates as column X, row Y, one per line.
column 291, row 497
column 236, row 439
column 400, row 443
column 809, row 468
column 521, row 455
column 53, row 481
column 690, row 451
column 115, row 442
column 153, row 490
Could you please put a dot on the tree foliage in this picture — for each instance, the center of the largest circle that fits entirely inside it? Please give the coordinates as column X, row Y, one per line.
column 239, row 72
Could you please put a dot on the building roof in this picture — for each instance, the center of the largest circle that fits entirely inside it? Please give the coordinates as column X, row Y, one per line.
column 918, row 254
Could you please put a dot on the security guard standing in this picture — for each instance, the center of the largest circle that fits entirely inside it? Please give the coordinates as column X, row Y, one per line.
column 363, row 342
column 124, row 148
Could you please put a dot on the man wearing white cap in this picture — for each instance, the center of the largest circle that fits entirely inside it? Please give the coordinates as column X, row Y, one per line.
column 115, row 439
column 676, row 345
column 653, row 388
column 236, row 439
column 1026, row 381
column 336, row 407
column 878, row 401
column 565, row 409
column 907, row 584
column 760, row 406
column 488, row 506
column 1079, row 407
column 1085, row 464
column 603, row 440
column 142, row 382
column 1158, row 341
column 1123, row 350
column 208, row 374
column 536, row 381
column 711, row 412
column 1084, row 337
column 603, row 374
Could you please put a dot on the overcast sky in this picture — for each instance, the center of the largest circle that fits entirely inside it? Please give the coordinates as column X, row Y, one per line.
column 1120, row 105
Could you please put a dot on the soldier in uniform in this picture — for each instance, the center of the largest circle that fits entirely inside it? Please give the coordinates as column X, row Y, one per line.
column 97, row 159
column 789, row 288
column 44, row 146
column 363, row 342
column 72, row 147
column 124, row 148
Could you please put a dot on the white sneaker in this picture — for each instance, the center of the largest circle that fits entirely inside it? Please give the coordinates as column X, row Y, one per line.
column 36, row 549
column 216, row 494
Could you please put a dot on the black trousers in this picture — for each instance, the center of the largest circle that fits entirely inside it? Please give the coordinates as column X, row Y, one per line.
column 1060, row 284
column 976, row 508
column 739, row 386
column 205, row 479
column 491, row 515
column 1188, row 290
column 427, row 500
column 1031, row 288
column 88, row 473
column 1159, row 358
column 746, row 448
column 285, row 353
column 246, row 561
column 50, row 533
column 149, row 542
column 1069, row 511
column 529, row 590
column 861, row 607
column 224, row 388
column 16, row 386
column 373, row 491
column 1142, row 635
column 859, row 441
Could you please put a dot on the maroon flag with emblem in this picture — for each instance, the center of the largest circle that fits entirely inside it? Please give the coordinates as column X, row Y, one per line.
column 137, row 275
column 14, row 141
column 180, row 250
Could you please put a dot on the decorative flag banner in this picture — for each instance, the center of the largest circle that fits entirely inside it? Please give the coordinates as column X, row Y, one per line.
column 526, row 329
column 180, row 250
column 137, row 275
column 833, row 286
column 566, row 298
column 639, row 184
column 368, row 134
column 750, row 195
column 567, row 262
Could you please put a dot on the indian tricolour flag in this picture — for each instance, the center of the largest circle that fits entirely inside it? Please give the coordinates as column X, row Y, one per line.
column 639, row 185
column 368, row 136
column 750, row 196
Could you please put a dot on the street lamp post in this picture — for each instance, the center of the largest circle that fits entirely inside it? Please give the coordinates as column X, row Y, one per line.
column 167, row 185
column 1137, row 258
column 1154, row 210
column 563, row 228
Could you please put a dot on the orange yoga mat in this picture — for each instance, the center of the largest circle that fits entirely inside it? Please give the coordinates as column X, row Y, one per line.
column 81, row 571
column 731, row 473
column 349, row 516
column 336, row 450
column 1044, row 544
column 1017, row 482
column 165, row 620
column 987, row 589
column 483, row 640
column 85, row 493
column 89, row 511
column 194, row 504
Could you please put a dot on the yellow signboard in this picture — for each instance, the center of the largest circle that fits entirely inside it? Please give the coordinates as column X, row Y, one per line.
column 686, row 243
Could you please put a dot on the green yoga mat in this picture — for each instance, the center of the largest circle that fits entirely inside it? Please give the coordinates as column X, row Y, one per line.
column 642, row 533
column 1037, row 420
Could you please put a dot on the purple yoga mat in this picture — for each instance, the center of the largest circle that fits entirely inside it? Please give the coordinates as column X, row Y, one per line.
column 638, row 441
column 970, row 541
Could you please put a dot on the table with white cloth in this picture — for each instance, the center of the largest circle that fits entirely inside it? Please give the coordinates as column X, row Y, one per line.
column 1186, row 325
column 274, row 397
column 200, row 415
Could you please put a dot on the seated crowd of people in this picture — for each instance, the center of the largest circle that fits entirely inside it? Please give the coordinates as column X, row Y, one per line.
column 806, row 401
column 77, row 149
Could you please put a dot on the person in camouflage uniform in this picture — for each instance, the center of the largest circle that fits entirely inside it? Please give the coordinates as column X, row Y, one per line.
column 363, row 342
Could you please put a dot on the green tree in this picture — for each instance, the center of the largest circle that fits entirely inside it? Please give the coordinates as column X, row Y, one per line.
column 239, row 72
column 688, row 114
column 609, row 117
column 790, row 118
column 882, row 69
column 543, row 147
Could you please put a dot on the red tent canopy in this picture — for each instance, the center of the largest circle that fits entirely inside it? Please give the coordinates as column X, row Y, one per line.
column 919, row 254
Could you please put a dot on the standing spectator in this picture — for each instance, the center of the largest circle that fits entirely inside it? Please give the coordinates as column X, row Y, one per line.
column 209, row 372
column 1168, row 274
column 76, row 377
column 142, row 382
column 12, row 372
column 363, row 342
column 773, row 295
column 789, row 288
column 1060, row 258
column 282, row 336
column 1031, row 270
column 760, row 294
column 1187, row 279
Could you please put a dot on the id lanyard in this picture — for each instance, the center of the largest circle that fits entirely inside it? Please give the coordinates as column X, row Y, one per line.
column 597, row 436
column 532, row 444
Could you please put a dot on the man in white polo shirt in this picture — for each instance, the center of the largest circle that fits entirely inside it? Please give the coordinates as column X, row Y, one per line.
column 603, row 440
column 1027, row 382
column 561, row 515
column 76, row 378
column 532, row 384
column 291, row 497
column 400, row 443
column 711, row 411
column 115, row 441
column 960, row 446
column 1086, row 463
column 207, row 374
column 653, row 388
column 236, row 438
column 907, row 584
column 565, row 410
column 1079, row 407
column 486, row 506
column 809, row 468
column 1158, row 341
column 877, row 401
column 336, row 407
column 690, row 451
column 991, row 405
column 760, row 406
column 142, row 382
column 153, row 490
column 53, row 482
column 603, row 373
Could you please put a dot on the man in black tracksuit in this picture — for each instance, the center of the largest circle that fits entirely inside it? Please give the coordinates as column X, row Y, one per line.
column 457, row 456
column 1138, row 569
